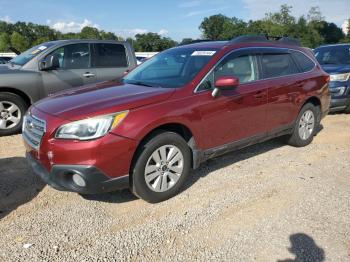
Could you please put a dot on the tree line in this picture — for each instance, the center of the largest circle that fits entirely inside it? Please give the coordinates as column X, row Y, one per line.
column 311, row 29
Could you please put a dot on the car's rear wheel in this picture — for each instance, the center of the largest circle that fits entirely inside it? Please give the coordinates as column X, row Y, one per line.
column 306, row 126
column 12, row 110
column 161, row 168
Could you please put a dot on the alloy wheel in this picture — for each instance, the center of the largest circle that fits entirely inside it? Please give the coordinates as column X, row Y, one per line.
column 306, row 124
column 10, row 115
column 164, row 168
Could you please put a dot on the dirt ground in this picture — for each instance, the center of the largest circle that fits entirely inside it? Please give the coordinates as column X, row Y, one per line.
column 268, row 202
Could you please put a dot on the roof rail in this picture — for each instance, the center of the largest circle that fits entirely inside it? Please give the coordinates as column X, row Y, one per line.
column 265, row 38
column 197, row 41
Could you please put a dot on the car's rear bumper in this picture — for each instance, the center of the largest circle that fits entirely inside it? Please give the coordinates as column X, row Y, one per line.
column 60, row 178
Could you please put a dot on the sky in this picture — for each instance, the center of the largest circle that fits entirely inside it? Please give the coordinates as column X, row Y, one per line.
column 177, row 19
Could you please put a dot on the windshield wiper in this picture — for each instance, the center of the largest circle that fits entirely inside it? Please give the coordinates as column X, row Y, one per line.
column 140, row 83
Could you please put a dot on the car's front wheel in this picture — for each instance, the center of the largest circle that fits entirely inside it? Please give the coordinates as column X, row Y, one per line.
column 12, row 110
column 161, row 168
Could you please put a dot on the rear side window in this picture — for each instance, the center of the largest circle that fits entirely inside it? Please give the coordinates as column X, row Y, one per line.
column 305, row 63
column 110, row 55
column 276, row 65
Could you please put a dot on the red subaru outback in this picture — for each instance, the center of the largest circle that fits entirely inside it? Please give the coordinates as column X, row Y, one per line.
column 178, row 109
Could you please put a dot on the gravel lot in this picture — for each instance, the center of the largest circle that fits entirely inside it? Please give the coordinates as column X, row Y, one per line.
column 268, row 202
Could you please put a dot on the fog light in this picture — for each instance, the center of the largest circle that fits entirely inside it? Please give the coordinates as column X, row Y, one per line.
column 78, row 180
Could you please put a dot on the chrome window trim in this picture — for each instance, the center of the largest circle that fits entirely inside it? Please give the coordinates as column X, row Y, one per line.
column 252, row 48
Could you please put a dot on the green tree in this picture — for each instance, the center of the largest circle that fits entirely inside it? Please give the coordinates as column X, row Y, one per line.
column 214, row 26
column 5, row 42
column 330, row 32
column 315, row 15
column 232, row 28
column 108, row 36
column 152, row 42
column 283, row 17
column 19, row 42
column 90, row 33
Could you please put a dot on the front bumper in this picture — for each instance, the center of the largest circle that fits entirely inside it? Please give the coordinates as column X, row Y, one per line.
column 340, row 99
column 339, row 104
column 60, row 178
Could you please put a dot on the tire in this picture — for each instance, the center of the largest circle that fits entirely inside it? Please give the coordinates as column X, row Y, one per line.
column 166, row 175
column 299, row 138
column 11, row 119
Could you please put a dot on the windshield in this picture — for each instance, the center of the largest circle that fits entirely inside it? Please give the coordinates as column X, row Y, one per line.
column 333, row 55
column 172, row 68
column 28, row 55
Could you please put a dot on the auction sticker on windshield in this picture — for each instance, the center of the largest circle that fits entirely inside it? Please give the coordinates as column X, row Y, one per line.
column 203, row 53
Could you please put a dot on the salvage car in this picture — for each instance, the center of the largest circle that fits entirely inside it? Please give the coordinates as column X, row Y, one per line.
column 176, row 110
column 55, row 66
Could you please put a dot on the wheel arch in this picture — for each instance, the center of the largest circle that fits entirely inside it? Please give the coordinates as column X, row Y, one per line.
column 313, row 100
column 181, row 129
column 18, row 92
column 316, row 102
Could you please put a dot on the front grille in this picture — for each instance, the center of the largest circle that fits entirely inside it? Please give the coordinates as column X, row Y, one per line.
column 33, row 130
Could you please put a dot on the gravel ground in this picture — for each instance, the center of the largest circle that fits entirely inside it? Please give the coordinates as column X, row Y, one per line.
column 268, row 202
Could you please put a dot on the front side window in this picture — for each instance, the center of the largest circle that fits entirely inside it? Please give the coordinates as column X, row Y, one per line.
column 172, row 68
column 75, row 56
column 244, row 67
column 333, row 55
column 110, row 55
column 276, row 65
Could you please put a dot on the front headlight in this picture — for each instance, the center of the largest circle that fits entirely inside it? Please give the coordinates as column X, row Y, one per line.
column 340, row 77
column 90, row 128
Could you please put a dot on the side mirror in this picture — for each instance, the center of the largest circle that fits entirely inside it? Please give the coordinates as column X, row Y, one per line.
column 225, row 83
column 49, row 63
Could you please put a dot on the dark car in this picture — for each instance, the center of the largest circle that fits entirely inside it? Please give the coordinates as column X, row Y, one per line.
column 335, row 60
column 5, row 59
column 174, row 111
column 55, row 66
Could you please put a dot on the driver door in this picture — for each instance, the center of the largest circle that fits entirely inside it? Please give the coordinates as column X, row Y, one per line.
column 238, row 113
column 74, row 69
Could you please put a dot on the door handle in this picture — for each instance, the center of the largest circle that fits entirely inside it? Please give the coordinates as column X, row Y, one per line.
column 88, row 74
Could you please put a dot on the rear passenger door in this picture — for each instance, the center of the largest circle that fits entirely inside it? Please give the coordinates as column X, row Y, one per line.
column 110, row 61
column 279, row 75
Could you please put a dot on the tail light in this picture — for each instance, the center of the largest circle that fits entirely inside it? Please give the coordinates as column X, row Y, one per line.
column 327, row 78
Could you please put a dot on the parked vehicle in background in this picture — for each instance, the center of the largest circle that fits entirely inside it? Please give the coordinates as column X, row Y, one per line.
column 140, row 59
column 56, row 66
column 174, row 111
column 335, row 60
column 5, row 59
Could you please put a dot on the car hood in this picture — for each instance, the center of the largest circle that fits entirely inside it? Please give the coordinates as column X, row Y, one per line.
column 336, row 69
column 103, row 98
